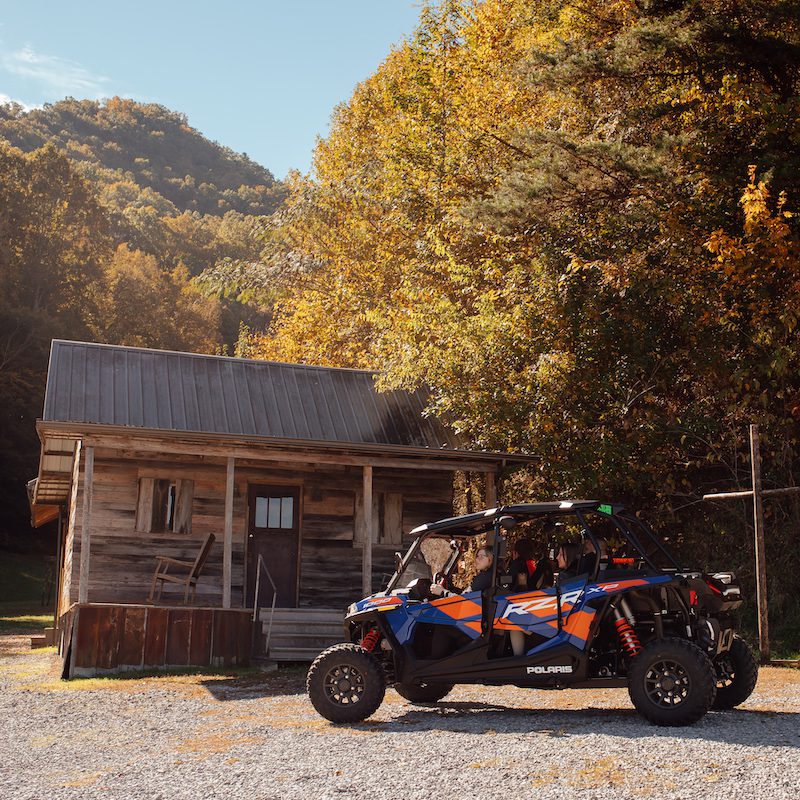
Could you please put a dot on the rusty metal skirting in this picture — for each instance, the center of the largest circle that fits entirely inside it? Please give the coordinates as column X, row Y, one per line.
column 97, row 638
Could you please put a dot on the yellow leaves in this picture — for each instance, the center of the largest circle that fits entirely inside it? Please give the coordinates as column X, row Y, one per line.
column 767, row 244
column 553, row 368
column 728, row 250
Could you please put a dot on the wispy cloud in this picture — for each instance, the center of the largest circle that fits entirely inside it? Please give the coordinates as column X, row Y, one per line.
column 4, row 98
column 56, row 76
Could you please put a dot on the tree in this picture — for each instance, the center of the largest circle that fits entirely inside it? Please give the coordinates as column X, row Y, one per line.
column 52, row 241
column 145, row 306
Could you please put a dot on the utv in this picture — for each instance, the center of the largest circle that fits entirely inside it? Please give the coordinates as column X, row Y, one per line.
column 625, row 614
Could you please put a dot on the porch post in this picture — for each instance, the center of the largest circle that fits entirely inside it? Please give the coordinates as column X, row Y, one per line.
column 491, row 490
column 88, row 478
column 227, row 542
column 366, row 582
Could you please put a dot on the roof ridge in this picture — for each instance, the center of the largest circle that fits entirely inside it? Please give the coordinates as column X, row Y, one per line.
column 236, row 359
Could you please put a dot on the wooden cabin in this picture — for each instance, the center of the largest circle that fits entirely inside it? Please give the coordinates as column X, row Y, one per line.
column 308, row 478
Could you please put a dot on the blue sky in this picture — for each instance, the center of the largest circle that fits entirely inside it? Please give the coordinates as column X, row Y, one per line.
column 259, row 77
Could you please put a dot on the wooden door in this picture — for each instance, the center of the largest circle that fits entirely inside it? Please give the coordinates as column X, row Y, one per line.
column 273, row 532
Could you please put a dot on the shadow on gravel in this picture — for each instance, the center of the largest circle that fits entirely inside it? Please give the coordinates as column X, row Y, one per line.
column 255, row 687
column 741, row 726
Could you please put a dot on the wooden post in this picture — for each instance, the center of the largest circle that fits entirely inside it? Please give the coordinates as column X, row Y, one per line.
column 761, row 567
column 86, row 525
column 227, row 542
column 57, row 582
column 366, row 580
column 491, row 491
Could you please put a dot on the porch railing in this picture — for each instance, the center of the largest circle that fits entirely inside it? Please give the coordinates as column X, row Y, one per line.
column 256, row 606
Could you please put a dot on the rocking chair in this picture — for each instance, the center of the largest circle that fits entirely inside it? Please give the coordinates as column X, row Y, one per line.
column 188, row 581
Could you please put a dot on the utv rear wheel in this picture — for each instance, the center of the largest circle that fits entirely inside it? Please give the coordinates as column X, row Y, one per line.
column 345, row 683
column 671, row 682
column 423, row 693
column 737, row 673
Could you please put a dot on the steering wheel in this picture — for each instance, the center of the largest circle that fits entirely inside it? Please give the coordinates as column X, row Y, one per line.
column 442, row 579
column 419, row 589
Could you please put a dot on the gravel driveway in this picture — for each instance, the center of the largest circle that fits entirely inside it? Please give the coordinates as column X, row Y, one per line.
column 256, row 736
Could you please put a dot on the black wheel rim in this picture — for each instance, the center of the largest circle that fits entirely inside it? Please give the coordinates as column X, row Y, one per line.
column 344, row 685
column 726, row 673
column 667, row 683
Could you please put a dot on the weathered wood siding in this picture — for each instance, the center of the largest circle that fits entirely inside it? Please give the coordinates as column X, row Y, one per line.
column 330, row 570
column 331, row 525
column 123, row 559
column 69, row 538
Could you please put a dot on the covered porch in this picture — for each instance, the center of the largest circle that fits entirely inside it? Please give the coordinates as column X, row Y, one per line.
column 308, row 479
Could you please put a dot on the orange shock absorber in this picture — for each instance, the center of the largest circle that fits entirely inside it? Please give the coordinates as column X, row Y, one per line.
column 627, row 636
column 370, row 640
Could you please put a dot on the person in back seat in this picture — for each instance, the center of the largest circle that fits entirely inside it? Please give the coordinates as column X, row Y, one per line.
column 588, row 560
column 567, row 559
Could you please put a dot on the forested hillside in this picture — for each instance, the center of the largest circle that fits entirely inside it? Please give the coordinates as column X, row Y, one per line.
column 111, row 215
column 577, row 223
column 121, row 145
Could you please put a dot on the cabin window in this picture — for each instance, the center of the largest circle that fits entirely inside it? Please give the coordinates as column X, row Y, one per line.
column 164, row 505
column 275, row 512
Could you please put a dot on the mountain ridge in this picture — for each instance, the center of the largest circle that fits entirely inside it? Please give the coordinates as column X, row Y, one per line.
column 119, row 144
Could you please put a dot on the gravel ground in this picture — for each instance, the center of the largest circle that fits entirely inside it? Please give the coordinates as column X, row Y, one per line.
column 256, row 736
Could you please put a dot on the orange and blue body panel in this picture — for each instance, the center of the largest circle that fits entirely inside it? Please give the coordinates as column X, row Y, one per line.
column 534, row 612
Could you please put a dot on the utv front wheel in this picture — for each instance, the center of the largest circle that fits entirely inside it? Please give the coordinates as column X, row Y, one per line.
column 423, row 693
column 737, row 673
column 671, row 682
column 345, row 683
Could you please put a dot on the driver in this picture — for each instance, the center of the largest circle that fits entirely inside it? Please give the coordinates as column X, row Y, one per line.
column 482, row 579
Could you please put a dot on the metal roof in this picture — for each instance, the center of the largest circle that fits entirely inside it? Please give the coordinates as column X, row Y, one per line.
column 169, row 391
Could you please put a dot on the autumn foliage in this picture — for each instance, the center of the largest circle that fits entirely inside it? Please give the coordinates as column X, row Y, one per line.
column 573, row 221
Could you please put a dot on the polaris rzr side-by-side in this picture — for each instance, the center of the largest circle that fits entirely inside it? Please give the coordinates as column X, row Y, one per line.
column 626, row 613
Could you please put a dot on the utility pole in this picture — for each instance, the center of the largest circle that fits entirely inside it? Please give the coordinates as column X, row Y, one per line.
column 758, row 494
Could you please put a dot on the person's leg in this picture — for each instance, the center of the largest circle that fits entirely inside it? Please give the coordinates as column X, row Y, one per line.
column 517, row 642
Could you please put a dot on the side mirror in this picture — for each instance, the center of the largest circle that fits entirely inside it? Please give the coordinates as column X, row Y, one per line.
column 398, row 562
column 505, row 581
column 507, row 523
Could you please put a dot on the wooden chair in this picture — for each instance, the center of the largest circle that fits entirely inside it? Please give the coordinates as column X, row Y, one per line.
column 189, row 581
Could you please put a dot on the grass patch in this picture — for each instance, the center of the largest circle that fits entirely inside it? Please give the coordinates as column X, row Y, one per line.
column 172, row 672
column 22, row 579
column 11, row 621
column 16, row 620
column 22, row 585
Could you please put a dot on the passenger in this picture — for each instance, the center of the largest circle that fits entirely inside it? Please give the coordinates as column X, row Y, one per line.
column 589, row 557
column 482, row 579
column 527, row 574
column 522, row 566
column 543, row 576
column 567, row 559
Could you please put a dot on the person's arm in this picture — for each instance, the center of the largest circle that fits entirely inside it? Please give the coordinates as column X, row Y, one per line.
column 519, row 575
column 543, row 576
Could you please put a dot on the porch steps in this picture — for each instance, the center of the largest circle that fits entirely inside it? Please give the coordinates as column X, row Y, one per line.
column 301, row 634
column 47, row 639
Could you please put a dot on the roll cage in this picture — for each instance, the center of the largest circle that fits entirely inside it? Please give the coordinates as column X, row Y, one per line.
column 492, row 522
